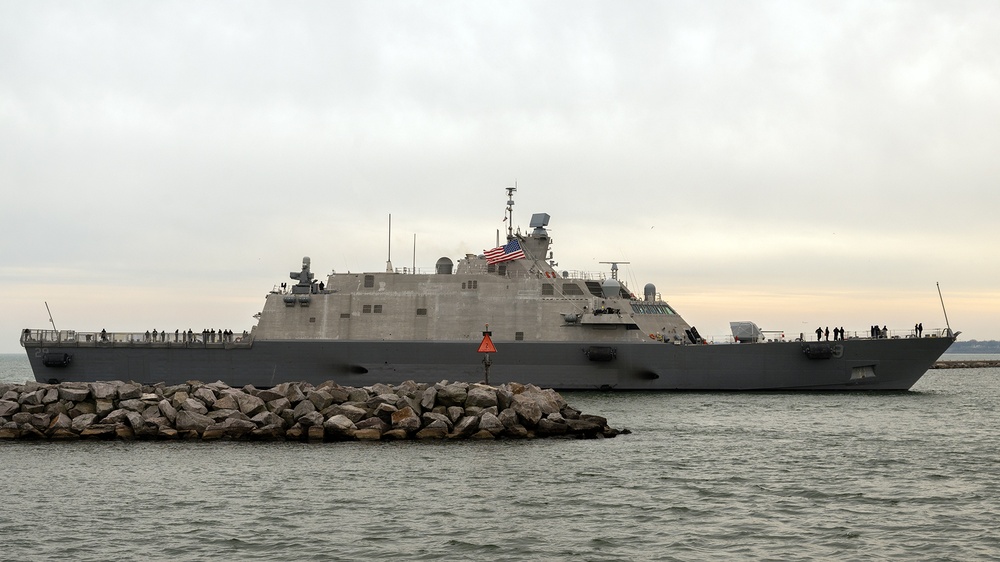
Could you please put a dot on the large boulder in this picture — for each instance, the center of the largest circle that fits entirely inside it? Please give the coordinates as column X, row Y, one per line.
column 527, row 409
column 453, row 394
column 227, row 402
column 491, row 423
column 9, row 408
column 353, row 413
column 303, row 408
column 194, row 405
column 406, row 419
column 104, row 390
column 339, row 427
column 428, row 398
column 249, row 404
column 466, row 426
column 73, row 393
column 188, row 420
column 129, row 390
column 83, row 421
column 481, row 396
column 168, row 410
column 204, row 394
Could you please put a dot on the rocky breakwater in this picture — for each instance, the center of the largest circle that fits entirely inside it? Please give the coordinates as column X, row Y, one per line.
column 290, row 411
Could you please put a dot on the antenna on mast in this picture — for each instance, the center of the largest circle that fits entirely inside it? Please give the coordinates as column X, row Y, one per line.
column 388, row 257
column 946, row 323
column 510, row 211
column 51, row 321
column 614, row 267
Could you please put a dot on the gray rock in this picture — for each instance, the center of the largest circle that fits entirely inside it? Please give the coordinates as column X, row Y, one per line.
column 194, row 405
column 250, row 405
column 168, row 410
column 455, row 413
column 527, row 409
column 135, row 420
column 339, row 427
column 373, row 422
column 466, row 426
column 133, row 404
column 231, row 427
column 320, row 398
column 303, row 408
column 587, row 428
column 380, row 388
column 129, row 390
column 227, row 402
column 83, row 421
column 353, row 413
column 338, row 394
column 310, row 419
column 429, row 418
column 61, row 421
column 73, row 394
column 205, row 395
column 357, row 395
column 490, row 423
column 367, row 434
column 32, row 398
column 406, row 419
column 103, row 406
column 9, row 408
column 549, row 426
column 188, row 420
column 452, row 394
column 385, row 411
column 268, row 394
column 508, row 418
column 481, row 396
column 428, row 398
column 81, row 408
column 432, row 432
column 278, row 405
column 267, row 418
column 50, row 395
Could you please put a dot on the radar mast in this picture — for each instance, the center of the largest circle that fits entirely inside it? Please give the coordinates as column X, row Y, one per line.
column 509, row 214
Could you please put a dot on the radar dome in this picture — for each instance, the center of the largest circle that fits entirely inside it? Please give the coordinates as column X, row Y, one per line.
column 649, row 292
column 443, row 266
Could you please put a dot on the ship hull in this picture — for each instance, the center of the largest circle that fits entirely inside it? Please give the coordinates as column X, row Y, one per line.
column 862, row 364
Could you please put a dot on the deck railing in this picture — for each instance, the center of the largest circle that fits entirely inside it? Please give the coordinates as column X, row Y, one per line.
column 41, row 338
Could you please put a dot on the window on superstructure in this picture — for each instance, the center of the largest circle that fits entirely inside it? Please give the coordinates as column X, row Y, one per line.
column 421, row 312
column 474, row 284
column 519, row 336
column 377, row 309
column 345, row 314
column 572, row 289
column 502, row 270
column 366, row 309
column 547, row 290
column 491, row 268
column 369, row 281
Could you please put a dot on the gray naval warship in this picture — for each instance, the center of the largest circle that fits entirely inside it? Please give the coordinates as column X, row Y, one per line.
column 504, row 315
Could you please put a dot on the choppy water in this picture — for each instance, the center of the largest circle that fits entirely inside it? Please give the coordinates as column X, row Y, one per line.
column 704, row 476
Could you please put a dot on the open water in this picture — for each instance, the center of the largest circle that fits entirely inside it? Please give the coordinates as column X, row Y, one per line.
column 703, row 476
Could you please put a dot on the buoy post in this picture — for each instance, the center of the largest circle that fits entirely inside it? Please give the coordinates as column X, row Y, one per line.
column 487, row 347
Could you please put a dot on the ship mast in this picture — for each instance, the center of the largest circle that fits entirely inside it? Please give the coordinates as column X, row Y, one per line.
column 509, row 215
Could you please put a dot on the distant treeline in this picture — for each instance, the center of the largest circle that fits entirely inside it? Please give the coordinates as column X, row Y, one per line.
column 973, row 346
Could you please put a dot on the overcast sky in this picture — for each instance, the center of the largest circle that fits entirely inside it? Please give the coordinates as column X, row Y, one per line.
column 165, row 164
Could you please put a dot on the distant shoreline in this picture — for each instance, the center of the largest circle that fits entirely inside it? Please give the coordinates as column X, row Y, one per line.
column 966, row 364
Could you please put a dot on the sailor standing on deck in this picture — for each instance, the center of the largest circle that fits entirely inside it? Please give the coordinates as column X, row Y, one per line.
column 819, row 334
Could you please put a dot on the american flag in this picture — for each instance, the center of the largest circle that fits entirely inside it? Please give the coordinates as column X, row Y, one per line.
column 511, row 251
